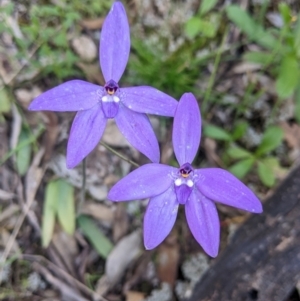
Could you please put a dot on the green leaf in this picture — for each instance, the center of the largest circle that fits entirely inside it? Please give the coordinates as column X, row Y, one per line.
column 192, row 27
column 23, row 154
column 297, row 104
column 238, row 153
column 216, row 133
column 289, row 76
column 272, row 138
column 206, row 6
column 49, row 212
column 251, row 27
column 258, row 57
column 239, row 130
column 241, row 168
column 61, row 39
column 208, row 28
column 274, row 164
column 66, row 206
column 4, row 101
column 297, row 36
column 99, row 241
column 266, row 174
column 285, row 13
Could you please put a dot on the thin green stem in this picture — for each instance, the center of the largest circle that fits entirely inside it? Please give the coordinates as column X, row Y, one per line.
column 118, row 154
column 214, row 73
column 83, row 187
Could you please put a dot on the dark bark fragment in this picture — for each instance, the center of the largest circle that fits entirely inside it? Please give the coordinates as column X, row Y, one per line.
column 263, row 261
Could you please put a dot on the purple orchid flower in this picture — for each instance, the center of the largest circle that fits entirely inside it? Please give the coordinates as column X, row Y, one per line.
column 96, row 104
column 197, row 189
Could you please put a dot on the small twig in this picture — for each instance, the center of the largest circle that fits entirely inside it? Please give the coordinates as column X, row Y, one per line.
column 214, row 72
column 64, row 274
column 26, row 208
column 119, row 155
column 83, row 186
column 65, row 290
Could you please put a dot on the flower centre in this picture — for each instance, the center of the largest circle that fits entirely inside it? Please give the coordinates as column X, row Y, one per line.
column 110, row 101
column 184, row 183
column 185, row 170
column 111, row 87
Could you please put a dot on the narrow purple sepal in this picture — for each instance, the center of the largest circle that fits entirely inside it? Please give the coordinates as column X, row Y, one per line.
column 114, row 43
column 159, row 218
column 86, row 131
column 137, row 129
column 148, row 100
column 221, row 186
column 147, row 181
column 186, row 129
column 203, row 221
column 74, row 95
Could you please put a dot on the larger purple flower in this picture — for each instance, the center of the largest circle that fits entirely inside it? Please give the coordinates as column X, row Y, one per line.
column 96, row 104
column 197, row 189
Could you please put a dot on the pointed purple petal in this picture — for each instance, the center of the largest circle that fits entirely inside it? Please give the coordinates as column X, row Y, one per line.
column 186, row 129
column 114, row 43
column 75, row 95
column 148, row 100
column 221, row 186
column 159, row 218
column 146, row 181
column 203, row 220
column 86, row 131
column 137, row 129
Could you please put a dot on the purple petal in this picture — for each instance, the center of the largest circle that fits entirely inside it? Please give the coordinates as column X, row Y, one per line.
column 146, row 181
column 86, row 131
column 159, row 218
column 221, row 186
column 203, row 220
column 114, row 43
column 148, row 100
column 183, row 193
column 75, row 95
column 137, row 129
column 186, row 129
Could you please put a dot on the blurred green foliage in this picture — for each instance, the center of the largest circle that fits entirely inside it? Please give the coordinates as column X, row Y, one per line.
column 281, row 54
column 45, row 31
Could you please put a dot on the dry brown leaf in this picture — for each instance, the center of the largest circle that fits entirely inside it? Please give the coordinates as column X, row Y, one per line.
column 25, row 96
column 168, row 259
column 92, row 72
column 5, row 238
column 85, row 47
column 246, row 67
column 291, row 134
column 134, row 296
column 99, row 212
column 121, row 222
column 125, row 252
column 66, row 245
column 210, row 147
column 5, row 195
column 8, row 212
column 50, row 137
column 34, row 176
column 92, row 24
column 113, row 136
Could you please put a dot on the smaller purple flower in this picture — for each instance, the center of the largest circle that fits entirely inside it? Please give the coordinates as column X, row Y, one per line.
column 197, row 189
column 96, row 104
